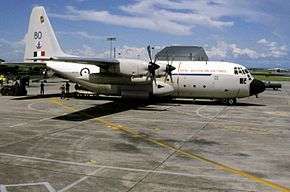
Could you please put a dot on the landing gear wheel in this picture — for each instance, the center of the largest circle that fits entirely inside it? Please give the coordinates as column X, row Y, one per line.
column 231, row 101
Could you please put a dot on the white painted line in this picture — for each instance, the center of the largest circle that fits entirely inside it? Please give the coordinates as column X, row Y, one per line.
column 99, row 166
column 202, row 116
column 32, row 121
column 80, row 180
column 30, row 107
column 46, row 184
column 19, row 124
column 49, row 187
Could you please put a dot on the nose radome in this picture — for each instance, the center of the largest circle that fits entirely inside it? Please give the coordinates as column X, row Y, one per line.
column 256, row 87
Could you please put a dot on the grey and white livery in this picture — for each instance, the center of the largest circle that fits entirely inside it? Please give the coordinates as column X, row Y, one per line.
column 137, row 78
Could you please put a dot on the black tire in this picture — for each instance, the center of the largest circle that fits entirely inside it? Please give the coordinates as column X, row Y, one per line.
column 231, row 101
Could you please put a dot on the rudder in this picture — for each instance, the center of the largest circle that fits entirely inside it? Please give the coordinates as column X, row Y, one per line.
column 41, row 41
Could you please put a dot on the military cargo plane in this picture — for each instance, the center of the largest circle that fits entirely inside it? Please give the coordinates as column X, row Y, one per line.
column 133, row 78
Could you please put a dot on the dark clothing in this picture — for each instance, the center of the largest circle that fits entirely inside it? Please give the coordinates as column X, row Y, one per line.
column 77, row 87
column 67, row 85
column 62, row 92
column 41, row 88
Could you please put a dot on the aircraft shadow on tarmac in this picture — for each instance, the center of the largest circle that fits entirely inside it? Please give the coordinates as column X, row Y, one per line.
column 105, row 109
column 121, row 106
column 117, row 105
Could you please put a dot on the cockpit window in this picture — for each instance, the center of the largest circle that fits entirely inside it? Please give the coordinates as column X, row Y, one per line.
column 247, row 71
column 240, row 71
column 235, row 71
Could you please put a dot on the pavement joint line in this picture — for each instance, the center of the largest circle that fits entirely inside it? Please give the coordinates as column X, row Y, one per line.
column 92, row 165
column 215, row 122
column 185, row 174
column 79, row 180
column 40, row 135
column 171, row 154
column 163, row 144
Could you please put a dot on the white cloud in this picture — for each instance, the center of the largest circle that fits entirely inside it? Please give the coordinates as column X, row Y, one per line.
column 85, row 51
column 174, row 17
column 264, row 49
column 121, row 52
column 223, row 50
column 81, row 34
column 132, row 52
column 272, row 49
column 12, row 51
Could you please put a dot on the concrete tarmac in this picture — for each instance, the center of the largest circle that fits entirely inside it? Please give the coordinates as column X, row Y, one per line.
column 80, row 144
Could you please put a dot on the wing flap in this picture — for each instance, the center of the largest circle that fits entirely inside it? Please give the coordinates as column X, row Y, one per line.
column 100, row 62
column 31, row 64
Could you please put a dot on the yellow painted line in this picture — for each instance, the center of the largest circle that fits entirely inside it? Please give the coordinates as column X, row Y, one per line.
column 163, row 144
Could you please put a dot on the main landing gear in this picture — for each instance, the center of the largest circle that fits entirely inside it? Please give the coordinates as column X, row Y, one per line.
column 231, row 101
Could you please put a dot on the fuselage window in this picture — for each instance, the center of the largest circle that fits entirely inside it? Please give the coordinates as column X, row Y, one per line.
column 246, row 70
column 184, row 85
column 204, row 86
column 243, row 80
column 240, row 71
column 193, row 85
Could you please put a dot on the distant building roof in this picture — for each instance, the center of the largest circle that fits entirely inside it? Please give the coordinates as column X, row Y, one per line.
column 182, row 53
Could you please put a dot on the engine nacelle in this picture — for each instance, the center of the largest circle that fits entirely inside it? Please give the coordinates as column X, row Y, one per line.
column 133, row 67
column 162, row 89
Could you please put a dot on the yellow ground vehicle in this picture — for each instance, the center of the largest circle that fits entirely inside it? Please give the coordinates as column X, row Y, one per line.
column 2, row 79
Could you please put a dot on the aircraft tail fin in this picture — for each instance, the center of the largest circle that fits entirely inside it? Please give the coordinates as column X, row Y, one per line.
column 41, row 42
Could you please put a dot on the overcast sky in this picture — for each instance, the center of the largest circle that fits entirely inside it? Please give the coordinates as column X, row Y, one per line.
column 253, row 33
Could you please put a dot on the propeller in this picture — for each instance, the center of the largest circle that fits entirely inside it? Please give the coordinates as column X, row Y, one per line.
column 152, row 66
column 168, row 70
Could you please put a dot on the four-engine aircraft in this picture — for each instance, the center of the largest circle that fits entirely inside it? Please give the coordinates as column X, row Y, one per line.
column 132, row 78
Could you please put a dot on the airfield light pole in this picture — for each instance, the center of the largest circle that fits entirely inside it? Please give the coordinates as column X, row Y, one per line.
column 111, row 39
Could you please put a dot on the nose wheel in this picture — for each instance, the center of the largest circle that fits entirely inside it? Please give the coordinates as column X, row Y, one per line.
column 231, row 101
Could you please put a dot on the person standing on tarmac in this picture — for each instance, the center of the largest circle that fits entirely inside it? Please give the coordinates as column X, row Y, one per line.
column 62, row 91
column 67, row 85
column 41, row 88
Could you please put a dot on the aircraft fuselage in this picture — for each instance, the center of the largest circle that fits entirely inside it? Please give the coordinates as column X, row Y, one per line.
column 190, row 79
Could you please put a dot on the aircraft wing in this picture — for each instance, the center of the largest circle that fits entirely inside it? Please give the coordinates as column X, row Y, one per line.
column 27, row 64
column 100, row 62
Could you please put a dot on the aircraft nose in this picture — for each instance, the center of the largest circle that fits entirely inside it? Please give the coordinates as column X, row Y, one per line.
column 256, row 87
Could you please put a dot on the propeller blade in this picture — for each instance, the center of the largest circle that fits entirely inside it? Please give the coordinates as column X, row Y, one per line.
column 152, row 66
column 149, row 53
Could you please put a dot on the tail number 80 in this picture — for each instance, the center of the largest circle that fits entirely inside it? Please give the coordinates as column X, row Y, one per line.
column 38, row 35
